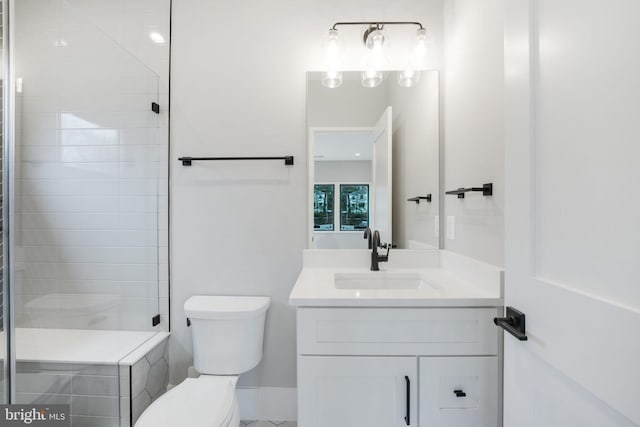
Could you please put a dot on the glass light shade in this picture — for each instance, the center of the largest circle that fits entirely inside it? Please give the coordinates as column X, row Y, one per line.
column 408, row 78
column 419, row 50
column 332, row 79
column 376, row 60
column 371, row 78
column 334, row 55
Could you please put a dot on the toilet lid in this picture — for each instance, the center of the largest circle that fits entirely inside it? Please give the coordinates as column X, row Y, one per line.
column 206, row 401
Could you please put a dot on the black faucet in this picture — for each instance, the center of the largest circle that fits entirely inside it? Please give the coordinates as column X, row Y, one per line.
column 375, row 258
column 367, row 235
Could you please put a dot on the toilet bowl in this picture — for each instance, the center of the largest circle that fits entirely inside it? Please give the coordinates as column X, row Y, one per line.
column 227, row 335
column 207, row 401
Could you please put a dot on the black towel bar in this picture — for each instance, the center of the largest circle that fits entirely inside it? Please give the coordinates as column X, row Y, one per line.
column 186, row 161
column 487, row 190
column 418, row 198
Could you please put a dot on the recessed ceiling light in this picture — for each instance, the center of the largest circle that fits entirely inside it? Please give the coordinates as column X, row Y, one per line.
column 357, row 154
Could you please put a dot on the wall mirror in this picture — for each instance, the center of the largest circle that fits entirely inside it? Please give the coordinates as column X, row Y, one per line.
column 373, row 162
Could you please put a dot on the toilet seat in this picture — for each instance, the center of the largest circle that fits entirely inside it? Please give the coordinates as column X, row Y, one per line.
column 206, row 401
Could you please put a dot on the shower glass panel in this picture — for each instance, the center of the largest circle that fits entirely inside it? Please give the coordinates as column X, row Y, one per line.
column 88, row 177
column 3, row 282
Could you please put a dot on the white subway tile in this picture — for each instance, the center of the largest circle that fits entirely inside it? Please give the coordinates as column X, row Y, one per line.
column 39, row 120
column 39, row 153
column 65, row 203
column 40, row 270
column 139, row 136
column 74, row 154
column 89, row 137
column 36, row 137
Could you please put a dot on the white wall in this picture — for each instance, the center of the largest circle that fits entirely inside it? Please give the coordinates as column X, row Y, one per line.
column 473, row 126
column 238, row 88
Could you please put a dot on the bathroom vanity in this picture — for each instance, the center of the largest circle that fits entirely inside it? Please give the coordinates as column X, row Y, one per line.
column 413, row 344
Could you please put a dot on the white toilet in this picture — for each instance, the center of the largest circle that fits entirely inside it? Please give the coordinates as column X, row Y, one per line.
column 227, row 337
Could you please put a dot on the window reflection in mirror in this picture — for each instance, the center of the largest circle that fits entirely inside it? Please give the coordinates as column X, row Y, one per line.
column 323, row 202
column 354, row 207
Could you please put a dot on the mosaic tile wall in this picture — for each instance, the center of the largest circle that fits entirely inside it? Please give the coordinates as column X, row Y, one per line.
column 148, row 380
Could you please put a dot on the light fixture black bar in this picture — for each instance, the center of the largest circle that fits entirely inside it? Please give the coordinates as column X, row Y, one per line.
column 487, row 190
column 186, row 161
column 377, row 23
column 418, row 198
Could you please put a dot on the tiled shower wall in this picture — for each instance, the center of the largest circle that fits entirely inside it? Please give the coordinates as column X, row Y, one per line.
column 91, row 163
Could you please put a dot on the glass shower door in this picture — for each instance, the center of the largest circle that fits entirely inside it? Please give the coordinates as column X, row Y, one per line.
column 86, row 185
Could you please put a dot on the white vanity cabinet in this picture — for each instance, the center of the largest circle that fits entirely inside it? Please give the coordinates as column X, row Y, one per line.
column 398, row 367
column 357, row 391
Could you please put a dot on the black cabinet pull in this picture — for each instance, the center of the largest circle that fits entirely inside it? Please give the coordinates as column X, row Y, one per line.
column 407, row 418
column 460, row 393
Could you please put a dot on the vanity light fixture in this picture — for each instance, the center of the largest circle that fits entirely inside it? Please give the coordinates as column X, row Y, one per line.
column 374, row 40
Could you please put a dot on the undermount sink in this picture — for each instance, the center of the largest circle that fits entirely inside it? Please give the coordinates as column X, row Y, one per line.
column 379, row 280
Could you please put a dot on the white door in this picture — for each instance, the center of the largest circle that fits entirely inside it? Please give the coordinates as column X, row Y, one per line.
column 572, row 73
column 381, row 196
column 336, row 391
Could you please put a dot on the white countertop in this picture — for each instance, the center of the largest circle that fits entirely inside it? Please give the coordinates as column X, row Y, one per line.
column 79, row 345
column 454, row 281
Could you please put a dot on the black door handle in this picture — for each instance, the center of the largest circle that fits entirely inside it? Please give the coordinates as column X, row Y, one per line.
column 407, row 418
column 460, row 393
column 513, row 323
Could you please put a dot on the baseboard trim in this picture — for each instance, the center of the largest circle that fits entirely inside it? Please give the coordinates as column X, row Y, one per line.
column 267, row 403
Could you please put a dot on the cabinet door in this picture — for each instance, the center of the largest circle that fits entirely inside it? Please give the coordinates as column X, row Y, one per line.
column 459, row 391
column 336, row 391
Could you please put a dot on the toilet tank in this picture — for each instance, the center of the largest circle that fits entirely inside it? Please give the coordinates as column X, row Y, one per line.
column 227, row 332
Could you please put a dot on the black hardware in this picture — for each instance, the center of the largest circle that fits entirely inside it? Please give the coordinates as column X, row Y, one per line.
column 368, row 235
column 375, row 257
column 188, row 322
column 487, row 190
column 377, row 24
column 155, row 320
column 407, row 418
column 460, row 393
column 155, row 107
column 513, row 323
column 418, row 198
column 186, row 161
